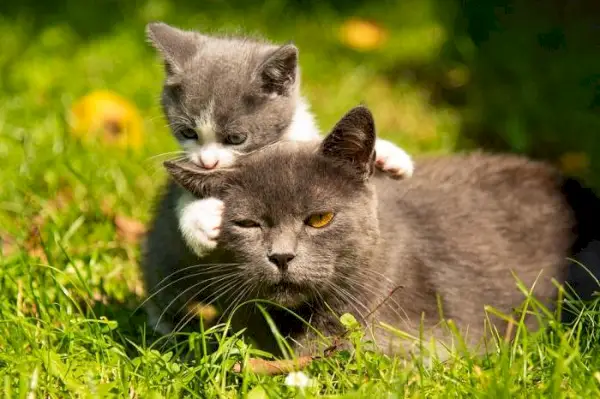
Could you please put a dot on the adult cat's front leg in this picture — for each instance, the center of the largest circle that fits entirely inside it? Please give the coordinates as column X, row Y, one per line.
column 200, row 222
column 393, row 160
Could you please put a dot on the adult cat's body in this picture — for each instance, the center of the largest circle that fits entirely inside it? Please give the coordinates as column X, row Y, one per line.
column 225, row 96
column 320, row 228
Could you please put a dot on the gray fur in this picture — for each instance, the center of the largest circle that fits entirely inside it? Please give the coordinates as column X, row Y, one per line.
column 456, row 230
column 239, row 85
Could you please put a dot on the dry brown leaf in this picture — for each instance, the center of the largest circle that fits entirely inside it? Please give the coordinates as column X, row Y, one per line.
column 129, row 229
column 275, row 367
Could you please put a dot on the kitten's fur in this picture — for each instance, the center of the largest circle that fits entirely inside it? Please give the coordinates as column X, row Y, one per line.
column 457, row 229
column 227, row 89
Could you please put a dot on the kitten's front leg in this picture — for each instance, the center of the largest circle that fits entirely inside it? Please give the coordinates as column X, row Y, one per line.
column 200, row 222
column 393, row 160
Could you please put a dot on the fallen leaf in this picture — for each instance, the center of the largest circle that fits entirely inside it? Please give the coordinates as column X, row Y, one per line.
column 275, row 367
column 130, row 230
column 107, row 115
column 362, row 35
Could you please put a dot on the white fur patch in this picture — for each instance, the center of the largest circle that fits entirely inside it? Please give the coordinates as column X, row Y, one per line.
column 393, row 160
column 303, row 126
column 200, row 222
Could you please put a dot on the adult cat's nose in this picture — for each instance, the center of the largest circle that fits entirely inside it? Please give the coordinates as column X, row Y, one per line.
column 281, row 260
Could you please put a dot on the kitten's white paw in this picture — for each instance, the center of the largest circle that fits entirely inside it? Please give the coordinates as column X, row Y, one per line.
column 393, row 160
column 200, row 223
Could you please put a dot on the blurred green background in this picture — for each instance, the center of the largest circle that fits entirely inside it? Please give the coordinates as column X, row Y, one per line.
column 512, row 75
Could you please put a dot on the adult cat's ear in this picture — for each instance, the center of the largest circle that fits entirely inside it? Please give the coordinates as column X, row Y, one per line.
column 278, row 72
column 175, row 45
column 352, row 141
column 198, row 181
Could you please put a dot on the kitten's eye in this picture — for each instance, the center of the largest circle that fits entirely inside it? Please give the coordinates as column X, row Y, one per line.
column 236, row 138
column 189, row 133
column 319, row 220
column 247, row 224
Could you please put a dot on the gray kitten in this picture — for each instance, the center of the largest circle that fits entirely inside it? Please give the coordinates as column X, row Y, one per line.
column 225, row 96
column 322, row 232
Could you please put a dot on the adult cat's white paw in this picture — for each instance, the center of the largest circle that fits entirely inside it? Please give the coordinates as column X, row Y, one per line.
column 200, row 224
column 393, row 160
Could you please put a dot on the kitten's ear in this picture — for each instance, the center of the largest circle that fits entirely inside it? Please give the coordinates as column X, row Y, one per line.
column 352, row 141
column 198, row 181
column 175, row 45
column 278, row 72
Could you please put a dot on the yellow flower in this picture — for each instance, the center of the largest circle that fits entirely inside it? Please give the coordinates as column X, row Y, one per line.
column 362, row 35
column 111, row 118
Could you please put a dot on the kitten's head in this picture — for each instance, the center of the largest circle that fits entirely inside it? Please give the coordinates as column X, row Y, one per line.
column 299, row 218
column 230, row 94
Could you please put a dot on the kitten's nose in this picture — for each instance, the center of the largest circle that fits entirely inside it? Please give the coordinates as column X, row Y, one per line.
column 209, row 163
column 281, row 260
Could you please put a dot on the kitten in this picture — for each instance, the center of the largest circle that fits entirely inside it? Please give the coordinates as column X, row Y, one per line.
column 226, row 96
column 320, row 231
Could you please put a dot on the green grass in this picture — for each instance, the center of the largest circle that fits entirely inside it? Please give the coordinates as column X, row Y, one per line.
column 69, row 283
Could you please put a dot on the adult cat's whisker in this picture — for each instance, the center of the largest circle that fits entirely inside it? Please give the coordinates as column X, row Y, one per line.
column 204, row 266
column 191, row 313
column 216, row 281
column 159, row 289
column 246, row 287
column 384, row 301
column 376, row 282
column 375, row 290
column 189, row 316
column 365, row 272
column 173, row 282
column 348, row 299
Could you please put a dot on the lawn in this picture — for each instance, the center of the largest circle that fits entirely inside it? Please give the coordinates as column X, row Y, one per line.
column 72, row 212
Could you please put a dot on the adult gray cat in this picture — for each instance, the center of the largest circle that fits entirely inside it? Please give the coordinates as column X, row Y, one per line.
column 225, row 96
column 322, row 228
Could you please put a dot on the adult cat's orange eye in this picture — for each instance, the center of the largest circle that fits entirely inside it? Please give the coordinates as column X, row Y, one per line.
column 247, row 223
column 318, row 220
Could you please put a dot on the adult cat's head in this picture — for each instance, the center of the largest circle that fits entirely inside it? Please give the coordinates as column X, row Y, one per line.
column 299, row 217
column 225, row 93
